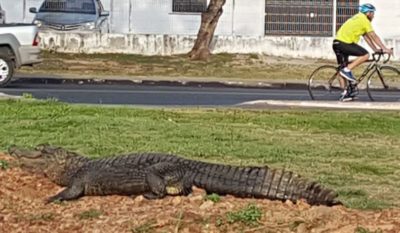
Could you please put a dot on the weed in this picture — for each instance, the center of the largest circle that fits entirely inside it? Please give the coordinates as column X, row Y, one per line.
column 4, row 165
column 213, row 197
column 295, row 224
column 27, row 95
column 364, row 230
column 90, row 214
column 42, row 217
column 144, row 228
column 219, row 222
column 250, row 215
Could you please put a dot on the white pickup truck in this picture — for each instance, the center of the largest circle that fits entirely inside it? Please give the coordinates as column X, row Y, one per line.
column 19, row 46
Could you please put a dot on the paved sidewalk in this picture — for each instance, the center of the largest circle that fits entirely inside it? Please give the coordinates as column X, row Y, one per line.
column 5, row 96
column 355, row 105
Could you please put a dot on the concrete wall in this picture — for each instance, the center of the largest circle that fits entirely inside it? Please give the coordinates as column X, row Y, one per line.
column 156, row 17
column 314, row 47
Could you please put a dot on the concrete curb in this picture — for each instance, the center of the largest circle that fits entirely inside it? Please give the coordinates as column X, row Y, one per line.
column 325, row 104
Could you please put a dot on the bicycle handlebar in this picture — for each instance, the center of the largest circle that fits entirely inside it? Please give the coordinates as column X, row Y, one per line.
column 378, row 55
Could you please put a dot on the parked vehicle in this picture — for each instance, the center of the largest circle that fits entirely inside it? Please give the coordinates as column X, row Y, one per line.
column 66, row 15
column 2, row 16
column 19, row 46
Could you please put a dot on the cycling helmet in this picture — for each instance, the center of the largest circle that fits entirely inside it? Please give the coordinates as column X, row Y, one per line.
column 365, row 8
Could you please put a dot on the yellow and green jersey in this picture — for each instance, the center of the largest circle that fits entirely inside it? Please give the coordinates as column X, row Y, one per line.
column 351, row 31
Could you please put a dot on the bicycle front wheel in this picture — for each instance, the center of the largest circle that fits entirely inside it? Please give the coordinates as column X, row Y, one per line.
column 384, row 84
column 323, row 83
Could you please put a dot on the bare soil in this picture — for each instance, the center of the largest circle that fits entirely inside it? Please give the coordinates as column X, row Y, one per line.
column 22, row 209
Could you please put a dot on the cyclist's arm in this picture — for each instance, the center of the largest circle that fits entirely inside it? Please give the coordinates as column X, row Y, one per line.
column 377, row 41
column 371, row 43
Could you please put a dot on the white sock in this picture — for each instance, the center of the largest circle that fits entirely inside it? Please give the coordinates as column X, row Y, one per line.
column 346, row 69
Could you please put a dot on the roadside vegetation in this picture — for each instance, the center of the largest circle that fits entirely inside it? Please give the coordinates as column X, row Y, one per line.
column 353, row 152
column 252, row 67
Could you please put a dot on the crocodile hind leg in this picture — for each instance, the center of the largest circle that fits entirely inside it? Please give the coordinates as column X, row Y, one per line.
column 69, row 193
column 167, row 179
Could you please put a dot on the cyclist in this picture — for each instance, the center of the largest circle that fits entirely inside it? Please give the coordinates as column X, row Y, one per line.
column 345, row 45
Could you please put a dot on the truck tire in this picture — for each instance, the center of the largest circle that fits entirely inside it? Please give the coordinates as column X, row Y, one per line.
column 6, row 69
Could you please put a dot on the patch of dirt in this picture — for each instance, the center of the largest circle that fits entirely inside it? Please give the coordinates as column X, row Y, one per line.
column 22, row 209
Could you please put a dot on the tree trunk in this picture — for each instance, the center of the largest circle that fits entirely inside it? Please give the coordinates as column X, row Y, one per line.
column 209, row 20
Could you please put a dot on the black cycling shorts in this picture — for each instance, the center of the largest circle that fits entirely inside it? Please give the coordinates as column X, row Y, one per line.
column 343, row 51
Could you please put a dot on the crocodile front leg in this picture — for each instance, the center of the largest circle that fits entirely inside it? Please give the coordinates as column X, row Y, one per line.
column 69, row 193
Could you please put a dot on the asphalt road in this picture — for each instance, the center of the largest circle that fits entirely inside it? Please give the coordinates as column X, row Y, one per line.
column 157, row 95
column 151, row 94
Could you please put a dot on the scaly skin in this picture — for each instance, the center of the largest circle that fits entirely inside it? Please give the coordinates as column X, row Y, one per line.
column 155, row 175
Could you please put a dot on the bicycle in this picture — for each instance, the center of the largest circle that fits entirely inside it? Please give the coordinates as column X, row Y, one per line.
column 383, row 81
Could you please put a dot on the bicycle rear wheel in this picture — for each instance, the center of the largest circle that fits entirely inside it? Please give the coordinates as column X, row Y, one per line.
column 384, row 84
column 323, row 83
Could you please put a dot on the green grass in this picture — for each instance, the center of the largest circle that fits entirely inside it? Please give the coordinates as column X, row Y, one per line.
column 356, row 153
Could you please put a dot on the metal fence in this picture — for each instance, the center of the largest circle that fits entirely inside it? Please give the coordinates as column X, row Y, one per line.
column 345, row 9
column 306, row 17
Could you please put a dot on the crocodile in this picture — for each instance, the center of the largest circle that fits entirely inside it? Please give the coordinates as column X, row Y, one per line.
column 155, row 175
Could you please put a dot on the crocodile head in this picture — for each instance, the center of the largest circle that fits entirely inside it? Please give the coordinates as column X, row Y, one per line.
column 53, row 162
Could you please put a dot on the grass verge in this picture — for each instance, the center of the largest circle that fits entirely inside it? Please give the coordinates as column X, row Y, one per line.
column 222, row 66
column 353, row 152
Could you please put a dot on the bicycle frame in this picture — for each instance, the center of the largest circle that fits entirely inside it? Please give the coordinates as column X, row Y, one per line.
column 374, row 65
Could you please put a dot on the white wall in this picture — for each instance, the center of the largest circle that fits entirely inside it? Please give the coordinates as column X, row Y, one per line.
column 17, row 11
column 387, row 17
column 156, row 17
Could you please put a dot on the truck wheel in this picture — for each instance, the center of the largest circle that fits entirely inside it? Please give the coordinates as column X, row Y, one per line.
column 6, row 70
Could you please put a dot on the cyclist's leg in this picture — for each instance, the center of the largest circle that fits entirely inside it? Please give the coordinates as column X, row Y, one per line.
column 359, row 52
column 342, row 61
column 351, row 50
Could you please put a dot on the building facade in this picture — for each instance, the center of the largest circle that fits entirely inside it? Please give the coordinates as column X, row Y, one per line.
column 294, row 28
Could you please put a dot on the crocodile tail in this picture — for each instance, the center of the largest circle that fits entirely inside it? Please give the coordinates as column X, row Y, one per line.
column 261, row 182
